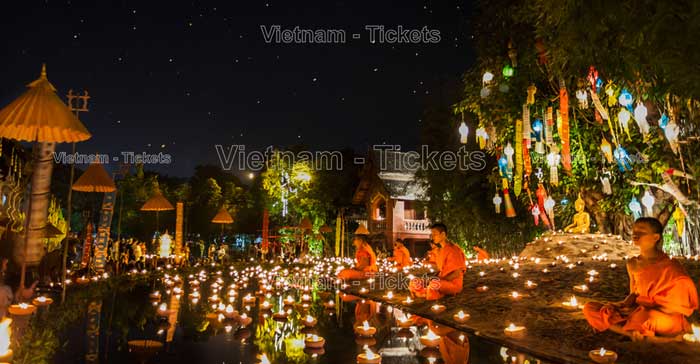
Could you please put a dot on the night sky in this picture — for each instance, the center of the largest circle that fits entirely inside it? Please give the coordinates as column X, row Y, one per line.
column 181, row 76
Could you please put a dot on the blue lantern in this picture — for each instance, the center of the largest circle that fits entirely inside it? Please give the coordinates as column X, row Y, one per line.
column 625, row 99
column 663, row 121
column 635, row 207
column 624, row 163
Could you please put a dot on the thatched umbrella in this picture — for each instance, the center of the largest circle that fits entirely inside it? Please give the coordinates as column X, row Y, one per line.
column 39, row 115
column 95, row 179
column 157, row 203
column 222, row 217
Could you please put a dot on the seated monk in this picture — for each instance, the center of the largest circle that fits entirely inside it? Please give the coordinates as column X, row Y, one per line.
column 432, row 255
column 661, row 295
column 401, row 257
column 451, row 264
column 481, row 253
column 365, row 260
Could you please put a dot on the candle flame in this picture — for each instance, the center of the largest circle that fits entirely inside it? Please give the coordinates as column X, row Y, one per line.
column 511, row 327
column 602, row 352
column 368, row 353
column 365, row 325
column 309, row 318
column 514, row 294
column 431, row 335
column 460, row 314
column 573, row 301
column 696, row 332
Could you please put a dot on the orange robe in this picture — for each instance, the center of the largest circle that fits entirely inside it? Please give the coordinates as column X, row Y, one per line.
column 402, row 257
column 664, row 284
column 361, row 271
column 482, row 254
column 450, row 259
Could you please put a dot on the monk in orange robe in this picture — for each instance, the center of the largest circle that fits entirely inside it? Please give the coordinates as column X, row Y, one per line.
column 365, row 261
column 481, row 253
column 450, row 262
column 432, row 255
column 661, row 295
column 402, row 257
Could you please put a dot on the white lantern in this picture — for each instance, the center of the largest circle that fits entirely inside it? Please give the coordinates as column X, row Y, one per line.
column 463, row 133
column 553, row 159
column 672, row 132
column 635, row 207
column 648, row 202
column 165, row 242
column 488, row 77
column 508, row 151
column 497, row 202
column 640, row 115
column 549, row 208
column 582, row 98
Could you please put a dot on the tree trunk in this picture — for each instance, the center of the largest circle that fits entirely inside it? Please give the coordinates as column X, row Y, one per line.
column 29, row 249
column 591, row 198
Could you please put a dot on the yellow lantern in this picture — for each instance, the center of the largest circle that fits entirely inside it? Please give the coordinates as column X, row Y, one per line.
column 606, row 148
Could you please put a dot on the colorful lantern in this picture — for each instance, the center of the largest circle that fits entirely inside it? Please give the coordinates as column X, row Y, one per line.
column 549, row 124
column 623, row 159
column 553, row 159
column 463, row 133
column 531, row 90
column 497, row 202
column 537, row 129
column 635, row 207
column 648, row 202
column 671, row 131
column 663, row 121
column 606, row 148
column 535, row 214
column 624, row 118
column 526, row 158
column 640, row 116
column 625, row 99
column 549, row 208
column 582, row 98
column 518, row 180
column 482, row 137
column 508, row 151
column 527, row 129
column 605, row 181
column 508, row 71
column 564, row 130
column 679, row 218
column 599, row 106
column 510, row 210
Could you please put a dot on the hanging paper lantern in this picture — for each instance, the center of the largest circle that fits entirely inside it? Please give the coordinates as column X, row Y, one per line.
column 485, row 92
column 640, row 116
column 624, row 118
column 549, row 124
column 607, row 188
column 518, row 179
column 610, row 92
column 537, row 128
column 531, row 90
column 481, row 137
column 592, row 78
column 527, row 130
column 526, row 159
column 663, row 121
column 679, row 218
column 497, row 202
column 648, row 202
column 535, row 211
column 508, row 71
column 508, row 151
column 510, row 210
column 623, row 159
column 625, row 99
column 553, row 159
column 549, row 208
column 487, row 77
column 503, row 169
column 635, row 207
column 582, row 98
column 671, row 131
column 564, row 132
column 541, row 194
column 606, row 148
column 463, row 133
column 602, row 112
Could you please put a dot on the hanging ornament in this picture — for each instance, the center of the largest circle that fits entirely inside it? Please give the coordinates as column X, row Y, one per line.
column 610, row 92
column 512, row 54
column 508, row 71
column 485, row 92
column 553, row 159
column 607, row 188
column 663, row 121
column 635, row 207
column 527, row 130
column 537, row 130
column 549, row 208
column 599, row 107
column 526, row 159
column 508, row 151
column 624, row 163
column 531, row 90
column 679, row 218
column 539, row 175
column 624, row 118
column 671, row 131
column 640, row 116
column 549, row 126
column 510, row 210
column 606, row 148
column 487, row 78
column 564, row 132
column 504, row 171
column 625, row 99
column 497, row 202
column 481, row 137
column 582, row 98
column 541, row 194
column 518, row 179
column 648, row 202
column 535, row 211
column 463, row 133
column 592, row 78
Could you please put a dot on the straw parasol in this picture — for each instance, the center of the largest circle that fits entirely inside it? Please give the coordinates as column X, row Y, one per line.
column 95, row 179
column 222, row 217
column 39, row 115
column 361, row 230
column 157, row 203
column 325, row 229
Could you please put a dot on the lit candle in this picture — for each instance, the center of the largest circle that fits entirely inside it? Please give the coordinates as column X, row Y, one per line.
column 603, row 356
column 314, row 341
column 430, row 339
column 363, row 290
column 310, row 321
column 515, row 295
column 389, row 295
column 461, row 316
column 368, row 357
column 408, row 300
column 530, row 285
column 365, row 329
column 582, row 288
column 482, row 288
column 437, row 308
column 694, row 337
column 571, row 304
column 514, row 331
column 404, row 322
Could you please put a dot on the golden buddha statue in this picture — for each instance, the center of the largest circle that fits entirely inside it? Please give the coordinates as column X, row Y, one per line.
column 581, row 223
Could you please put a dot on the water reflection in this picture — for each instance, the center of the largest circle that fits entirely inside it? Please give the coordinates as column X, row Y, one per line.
column 238, row 317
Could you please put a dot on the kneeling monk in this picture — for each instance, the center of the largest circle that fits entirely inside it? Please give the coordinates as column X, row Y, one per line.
column 661, row 292
column 365, row 260
column 450, row 262
column 402, row 257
